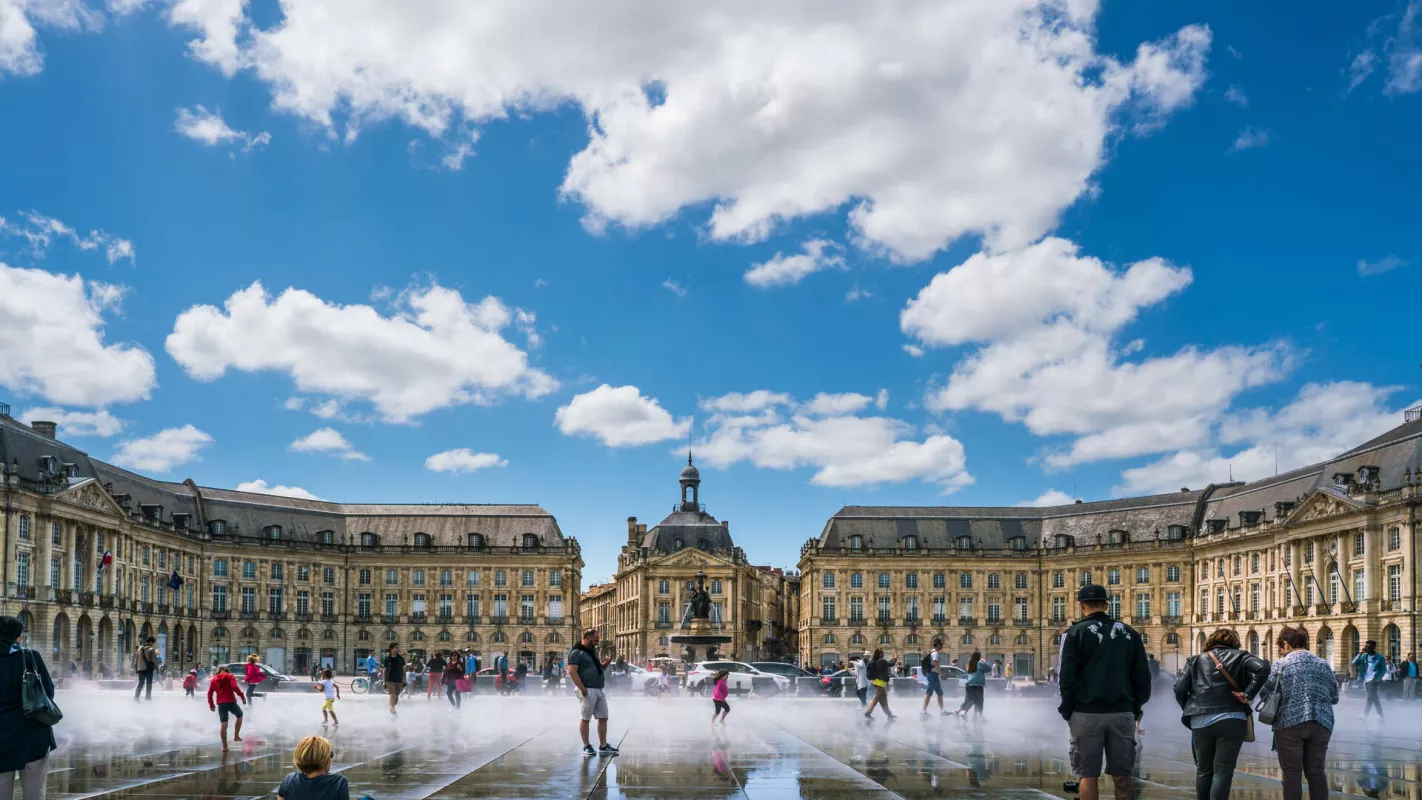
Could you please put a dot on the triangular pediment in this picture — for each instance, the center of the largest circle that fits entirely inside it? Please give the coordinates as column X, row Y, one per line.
column 89, row 494
column 693, row 558
column 1322, row 504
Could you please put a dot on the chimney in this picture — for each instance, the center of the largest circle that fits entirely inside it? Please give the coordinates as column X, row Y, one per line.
column 43, row 428
column 631, row 530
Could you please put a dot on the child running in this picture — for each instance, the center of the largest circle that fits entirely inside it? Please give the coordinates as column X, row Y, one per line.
column 718, row 696
column 314, row 780
column 333, row 693
column 224, row 686
column 190, row 683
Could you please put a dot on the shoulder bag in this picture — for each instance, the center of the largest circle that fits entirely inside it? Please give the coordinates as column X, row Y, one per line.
column 36, row 705
column 1248, row 712
column 1266, row 706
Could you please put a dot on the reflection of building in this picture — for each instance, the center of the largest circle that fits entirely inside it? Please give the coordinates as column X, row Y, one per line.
column 216, row 574
column 656, row 566
column 1330, row 547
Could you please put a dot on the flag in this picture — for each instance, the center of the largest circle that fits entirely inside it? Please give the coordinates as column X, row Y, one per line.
column 176, row 581
column 106, row 560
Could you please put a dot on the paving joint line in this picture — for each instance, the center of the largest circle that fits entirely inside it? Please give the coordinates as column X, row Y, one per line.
column 821, row 751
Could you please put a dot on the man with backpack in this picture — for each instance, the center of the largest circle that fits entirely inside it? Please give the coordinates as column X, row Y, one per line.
column 145, row 663
column 933, row 674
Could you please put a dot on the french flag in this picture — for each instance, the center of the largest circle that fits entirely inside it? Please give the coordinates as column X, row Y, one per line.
column 106, row 560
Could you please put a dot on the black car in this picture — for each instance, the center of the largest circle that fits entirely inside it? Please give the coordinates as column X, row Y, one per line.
column 273, row 682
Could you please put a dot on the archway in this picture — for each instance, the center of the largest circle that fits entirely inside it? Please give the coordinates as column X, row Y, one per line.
column 1392, row 642
column 164, row 655
column 59, row 644
column 190, row 654
column 28, row 621
column 84, row 644
column 1325, row 647
column 104, row 645
column 126, row 647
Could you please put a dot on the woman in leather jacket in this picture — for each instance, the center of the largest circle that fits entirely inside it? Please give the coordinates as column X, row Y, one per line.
column 1215, row 711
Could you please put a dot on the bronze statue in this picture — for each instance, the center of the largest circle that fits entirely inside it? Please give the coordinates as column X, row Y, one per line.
column 698, row 598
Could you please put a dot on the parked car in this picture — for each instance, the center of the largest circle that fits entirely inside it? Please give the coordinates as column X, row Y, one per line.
column 274, row 681
column 781, row 668
column 738, row 680
column 1024, row 686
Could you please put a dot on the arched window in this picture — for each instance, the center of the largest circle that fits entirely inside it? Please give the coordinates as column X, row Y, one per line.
column 828, row 639
column 995, row 640
column 326, row 537
column 964, row 542
column 219, row 632
column 525, row 638
column 857, row 638
column 1172, row 638
column 910, row 542
column 471, row 637
column 217, row 527
column 553, row 638
column 1017, row 543
column 498, row 637
column 329, row 635
column 1022, row 639
column 418, row 636
column 530, row 541
column 445, row 636
column 368, row 541
column 391, row 636
column 911, row 640
column 277, row 633
column 885, row 638
column 476, row 541
column 967, row 638
column 856, row 542
column 422, row 541
column 363, row 636
column 272, row 532
column 703, row 544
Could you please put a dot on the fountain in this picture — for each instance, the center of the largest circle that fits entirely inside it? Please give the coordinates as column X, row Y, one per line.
column 699, row 644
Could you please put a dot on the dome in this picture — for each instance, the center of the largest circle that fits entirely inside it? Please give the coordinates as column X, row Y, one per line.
column 689, row 472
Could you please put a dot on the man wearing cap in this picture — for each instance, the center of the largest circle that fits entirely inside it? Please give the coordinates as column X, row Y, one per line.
column 1105, row 681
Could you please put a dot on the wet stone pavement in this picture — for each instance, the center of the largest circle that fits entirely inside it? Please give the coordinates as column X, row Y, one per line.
column 528, row 747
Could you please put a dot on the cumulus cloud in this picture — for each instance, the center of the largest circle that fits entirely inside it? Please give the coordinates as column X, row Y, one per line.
column 329, row 441
column 619, row 417
column 1047, row 321
column 463, row 460
column 783, row 270
column 52, row 341
column 208, row 127
column 260, row 487
column 921, row 121
column 19, row 20
column 40, row 232
column 1051, row 497
column 435, row 350
column 164, row 450
column 1384, row 264
column 76, row 423
column 1250, row 138
column 771, row 430
column 1324, row 420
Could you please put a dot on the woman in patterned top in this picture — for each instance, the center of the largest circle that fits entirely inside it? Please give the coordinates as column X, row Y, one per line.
column 1304, row 723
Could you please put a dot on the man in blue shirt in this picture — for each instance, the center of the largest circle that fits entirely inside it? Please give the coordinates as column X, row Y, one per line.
column 1409, row 677
column 372, row 667
column 1371, row 669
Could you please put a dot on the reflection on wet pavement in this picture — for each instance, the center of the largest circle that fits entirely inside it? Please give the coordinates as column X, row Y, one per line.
column 529, row 748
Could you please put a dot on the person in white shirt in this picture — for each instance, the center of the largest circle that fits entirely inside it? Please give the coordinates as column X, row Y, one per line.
column 861, row 678
column 328, row 687
column 932, row 674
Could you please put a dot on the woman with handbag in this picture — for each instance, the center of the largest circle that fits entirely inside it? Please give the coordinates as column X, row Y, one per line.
column 1214, row 693
column 27, row 714
column 1303, row 724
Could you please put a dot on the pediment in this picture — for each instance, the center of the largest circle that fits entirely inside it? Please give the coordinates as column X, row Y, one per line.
column 1321, row 505
column 89, row 494
column 693, row 558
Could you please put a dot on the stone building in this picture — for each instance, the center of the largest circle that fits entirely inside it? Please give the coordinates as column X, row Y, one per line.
column 97, row 558
column 1330, row 547
column 655, row 568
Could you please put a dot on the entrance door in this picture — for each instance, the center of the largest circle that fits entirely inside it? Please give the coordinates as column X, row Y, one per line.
column 1022, row 665
column 276, row 658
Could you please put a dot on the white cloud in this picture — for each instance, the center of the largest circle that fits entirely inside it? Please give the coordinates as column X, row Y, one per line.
column 19, row 47
column 774, row 432
column 925, row 121
column 435, row 350
column 1360, row 69
column 674, row 287
column 1250, row 138
column 328, row 440
column 211, row 129
column 783, row 270
column 618, row 417
column 1384, row 264
column 1323, row 421
column 881, row 400
column 76, row 423
column 463, row 460
column 260, row 486
column 1394, row 42
column 1047, row 320
column 856, row 294
column 914, row 350
column 41, row 231
column 1051, row 497
column 52, row 341
column 1236, row 96
column 164, row 450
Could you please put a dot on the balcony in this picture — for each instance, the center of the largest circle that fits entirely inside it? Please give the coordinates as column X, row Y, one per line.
column 555, row 620
column 967, row 622
column 1174, row 619
column 163, row 609
column 276, row 616
column 1350, row 608
column 220, row 615
column 328, row 618
column 64, row 596
column 23, row 593
column 884, row 620
column 1321, row 609
column 390, row 619
column 912, row 622
column 1138, row 620
column 244, row 614
column 994, row 621
column 87, row 600
column 829, row 620
column 303, row 616
column 526, row 620
column 1234, row 616
column 1021, row 623
column 444, row 617
column 148, row 608
column 1300, row 611
column 856, row 619
column 662, row 624
column 499, row 619
column 418, row 618
column 363, row 619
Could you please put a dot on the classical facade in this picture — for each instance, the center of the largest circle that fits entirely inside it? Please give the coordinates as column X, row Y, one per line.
column 1330, row 547
column 97, row 558
column 647, row 599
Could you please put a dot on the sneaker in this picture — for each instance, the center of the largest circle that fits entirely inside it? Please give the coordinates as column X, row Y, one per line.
column 923, row 714
column 588, row 750
column 607, row 750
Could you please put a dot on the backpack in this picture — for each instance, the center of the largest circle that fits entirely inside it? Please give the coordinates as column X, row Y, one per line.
column 926, row 664
column 141, row 660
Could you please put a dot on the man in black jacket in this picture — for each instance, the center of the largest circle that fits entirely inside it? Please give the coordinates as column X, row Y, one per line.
column 1105, row 681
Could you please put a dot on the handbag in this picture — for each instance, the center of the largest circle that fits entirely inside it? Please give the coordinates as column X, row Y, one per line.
column 34, row 702
column 1248, row 712
column 1266, row 706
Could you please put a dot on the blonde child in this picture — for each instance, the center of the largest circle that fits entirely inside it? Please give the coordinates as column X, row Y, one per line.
column 719, row 693
column 328, row 686
column 313, row 780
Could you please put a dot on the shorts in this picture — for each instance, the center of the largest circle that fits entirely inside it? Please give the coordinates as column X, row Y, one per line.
column 1095, row 734
column 933, row 685
column 223, row 709
column 721, row 705
column 329, row 705
column 594, row 705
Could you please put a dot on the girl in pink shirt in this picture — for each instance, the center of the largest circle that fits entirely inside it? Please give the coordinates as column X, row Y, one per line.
column 718, row 697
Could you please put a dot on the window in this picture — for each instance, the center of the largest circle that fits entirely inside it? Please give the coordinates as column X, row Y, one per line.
column 1116, row 537
column 219, row 598
column 24, row 527
column 911, row 609
column 1172, row 574
column 939, row 580
column 965, row 580
column 417, row 604
column 1018, row 543
column 526, row 578
column 328, row 603
column 471, row 577
column 716, row 586
column 471, row 606
column 1220, row 602
column 1308, row 592
column 963, row 543
column 417, row 577
column 911, row 580
column 1254, row 598
column 664, row 613
column 530, row 542
column 501, row 606
column 883, row 580
column 1394, row 538
column 1238, row 565
column 828, row 581
column 1084, row 577
column 54, row 571
column 1359, row 544
column 1113, row 576
column 274, row 599
column 369, row 541
column 475, row 541
column 910, row 542
column 1360, row 585
column 249, row 600
column 249, row 570
column 555, row 577
column 965, row 607
column 827, row 610
column 56, row 533
column 994, row 610
column 273, row 532
column 501, row 578
column 940, row 609
column 1113, row 605
column 1172, row 604
column 22, row 568
column 219, row 568
column 303, row 601
column 363, row 605
column 856, row 609
column 1308, row 552
column 885, row 608
column 994, row 581
column 1394, row 582
column 856, row 542
column 217, row 527
column 392, row 604
column 1333, row 588
column 328, row 575
column 1143, row 605
column 1058, row 580
column 422, row 541
column 1019, row 580
column 1142, row 574
column 303, row 573
column 663, row 586
column 363, row 577
column 1058, row 609
column 326, row 537
column 1254, row 563
column 1288, row 555
column 856, row 580
column 276, row 570
column 146, row 561
column 446, row 577
column 1019, row 605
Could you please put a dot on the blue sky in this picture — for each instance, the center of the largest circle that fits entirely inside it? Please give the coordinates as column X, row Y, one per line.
column 970, row 253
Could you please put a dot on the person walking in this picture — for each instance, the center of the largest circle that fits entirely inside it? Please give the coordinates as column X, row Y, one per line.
column 25, row 744
column 451, row 674
column 719, row 693
column 1104, row 683
column 145, row 663
column 1214, row 695
column 332, row 693
column 585, row 670
column 1304, row 722
column 394, row 665
column 254, row 676
column 1372, row 667
column 879, row 671
column 861, row 678
column 933, row 673
column 222, row 695
column 436, row 667
column 1409, row 677
column 975, row 686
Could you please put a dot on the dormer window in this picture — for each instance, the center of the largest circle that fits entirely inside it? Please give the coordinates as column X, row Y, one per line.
column 326, row 537
column 1175, row 533
column 181, row 521
column 530, row 541
column 679, row 544
column 1062, row 540
column 1117, row 537
column 856, row 542
column 422, row 541
column 1216, row 525
column 910, row 542
column 71, row 470
column 703, row 544
column 475, row 541
column 151, row 512
column 1283, row 509
column 963, row 542
column 1343, row 480
column 1017, row 543
column 1250, row 517
column 369, row 541
column 272, row 532
column 217, row 527
column 47, row 465
column 1368, row 475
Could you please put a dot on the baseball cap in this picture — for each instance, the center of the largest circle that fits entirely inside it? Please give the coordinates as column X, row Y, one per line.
column 1092, row 593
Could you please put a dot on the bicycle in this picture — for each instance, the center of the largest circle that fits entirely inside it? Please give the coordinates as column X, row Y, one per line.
column 362, row 684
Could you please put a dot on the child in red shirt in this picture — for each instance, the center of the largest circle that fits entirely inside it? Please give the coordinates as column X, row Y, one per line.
column 190, row 683
column 224, row 686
